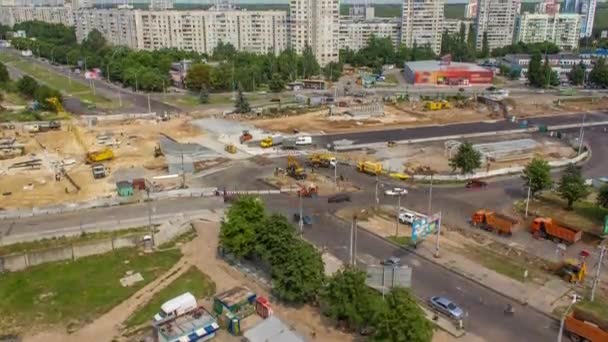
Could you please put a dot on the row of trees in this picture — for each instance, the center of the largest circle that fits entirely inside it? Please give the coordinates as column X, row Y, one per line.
column 462, row 46
column 540, row 74
column 521, row 47
column 297, row 273
column 29, row 88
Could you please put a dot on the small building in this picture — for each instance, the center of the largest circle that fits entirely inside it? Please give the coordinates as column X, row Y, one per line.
column 446, row 73
column 124, row 188
column 314, row 84
column 233, row 306
column 196, row 325
column 295, row 85
column 272, row 329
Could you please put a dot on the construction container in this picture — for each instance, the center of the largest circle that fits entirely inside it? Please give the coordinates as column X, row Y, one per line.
column 262, row 307
column 124, row 188
column 139, row 184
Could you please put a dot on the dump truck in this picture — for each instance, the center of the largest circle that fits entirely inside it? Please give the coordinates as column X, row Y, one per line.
column 369, row 167
column 271, row 141
column 547, row 228
column 322, row 160
column 294, row 169
column 99, row 156
column 493, row 222
column 580, row 327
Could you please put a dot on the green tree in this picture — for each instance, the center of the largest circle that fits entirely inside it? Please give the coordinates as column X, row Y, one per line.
column 27, row 86
column 238, row 229
column 241, row 104
column 471, row 37
column 276, row 83
column 299, row 278
column 466, row 158
column 535, row 72
column 346, row 298
column 332, row 71
column 198, row 77
column 537, row 175
column 602, row 196
column 224, row 51
column 485, row 47
column 599, row 74
column 572, row 185
column 548, row 76
column 402, row 320
column 310, row 67
column 94, row 42
column 43, row 93
column 4, row 76
column 275, row 239
column 577, row 74
column 203, row 96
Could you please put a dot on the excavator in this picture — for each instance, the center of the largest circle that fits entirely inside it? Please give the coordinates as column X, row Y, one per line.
column 574, row 270
column 321, row 160
column 294, row 169
column 57, row 105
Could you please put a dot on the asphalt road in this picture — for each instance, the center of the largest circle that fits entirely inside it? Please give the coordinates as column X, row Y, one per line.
column 454, row 129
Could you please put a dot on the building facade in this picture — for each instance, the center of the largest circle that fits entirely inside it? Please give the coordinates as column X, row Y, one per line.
column 497, row 19
column 315, row 23
column 452, row 26
column 422, row 23
column 356, row 32
column 470, row 10
column 56, row 15
column 586, row 8
column 562, row 29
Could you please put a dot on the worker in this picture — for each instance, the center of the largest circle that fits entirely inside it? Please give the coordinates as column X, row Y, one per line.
column 509, row 309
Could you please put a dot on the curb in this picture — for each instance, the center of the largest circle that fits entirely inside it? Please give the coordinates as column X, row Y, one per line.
column 413, row 251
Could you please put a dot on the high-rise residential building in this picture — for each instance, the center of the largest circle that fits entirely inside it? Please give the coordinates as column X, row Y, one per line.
column 497, row 19
column 356, row 32
column 56, row 15
column 315, row 23
column 452, row 26
column 586, row 8
column 78, row 4
column 422, row 23
column 547, row 6
column 470, row 10
column 562, row 29
column 161, row 5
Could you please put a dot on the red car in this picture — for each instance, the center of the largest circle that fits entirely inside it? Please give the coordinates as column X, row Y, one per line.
column 475, row 184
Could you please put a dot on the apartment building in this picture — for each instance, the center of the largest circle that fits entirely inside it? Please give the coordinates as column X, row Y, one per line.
column 356, row 32
column 586, row 8
column 57, row 15
column 161, row 5
column 452, row 26
column 497, row 19
column 254, row 31
column 422, row 23
column 562, row 29
column 470, row 10
column 315, row 23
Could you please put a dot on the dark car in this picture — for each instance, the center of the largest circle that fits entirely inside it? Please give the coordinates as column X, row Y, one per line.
column 392, row 261
column 306, row 219
column 337, row 198
column 476, row 184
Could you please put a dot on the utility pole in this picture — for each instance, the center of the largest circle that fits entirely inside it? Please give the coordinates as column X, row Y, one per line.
column 430, row 196
column 149, row 107
column 397, row 213
column 355, row 240
column 301, row 220
column 119, row 99
column 528, row 198
column 377, row 199
column 183, row 172
column 437, row 237
column 562, row 321
column 596, row 280
column 336, row 174
column 581, row 135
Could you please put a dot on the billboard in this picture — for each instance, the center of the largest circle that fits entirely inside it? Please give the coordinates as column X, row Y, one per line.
column 424, row 226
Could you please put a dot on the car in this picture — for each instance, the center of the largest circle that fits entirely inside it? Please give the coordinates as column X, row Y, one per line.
column 407, row 218
column 395, row 192
column 392, row 261
column 446, row 307
column 337, row 198
column 304, row 140
column 476, row 184
column 306, row 219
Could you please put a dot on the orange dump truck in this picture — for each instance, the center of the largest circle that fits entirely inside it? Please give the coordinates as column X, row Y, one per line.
column 582, row 330
column 546, row 228
column 494, row 222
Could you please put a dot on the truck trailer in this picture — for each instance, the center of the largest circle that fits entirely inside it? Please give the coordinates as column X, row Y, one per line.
column 547, row 228
column 494, row 222
column 579, row 329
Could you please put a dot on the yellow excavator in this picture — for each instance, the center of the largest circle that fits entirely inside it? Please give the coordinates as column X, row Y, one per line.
column 573, row 270
column 54, row 101
column 294, row 169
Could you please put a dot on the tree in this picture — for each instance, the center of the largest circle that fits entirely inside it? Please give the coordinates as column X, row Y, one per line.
column 537, row 175
column 223, row 51
column 602, row 196
column 94, row 42
column 485, row 47
column 402, row 320
column 599, row 73
column 466, row 159
column 198, row 77
column 203, row 96
column 27, row 86
column 332, row 71
column 238, row 229
column 4, row 76
column 299, row 278
column 310, row 67
column 241, row 104
column 548, row 77
column 43, row 93
column 577, row 74
column 572, row 185
column 276, row 83
column 535, row 75
column 347, row 298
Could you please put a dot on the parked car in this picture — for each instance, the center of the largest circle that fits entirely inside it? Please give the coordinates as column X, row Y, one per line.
column 407, row 218
column 304, row 140
column 476, row 184
column 395, row 192
column 306, row 219
column 337, row 198
column 446, row 307
column 392, row 261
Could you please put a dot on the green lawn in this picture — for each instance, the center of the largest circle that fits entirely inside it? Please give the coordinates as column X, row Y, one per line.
column 74, row 292
column 401, row 240
column 6, row 58
column 66, row 241
column 24, row 116
column 496, row 262
column 193, row 281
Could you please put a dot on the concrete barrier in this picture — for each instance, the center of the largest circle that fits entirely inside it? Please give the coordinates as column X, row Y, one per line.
column 49, row 255
column 92, row 248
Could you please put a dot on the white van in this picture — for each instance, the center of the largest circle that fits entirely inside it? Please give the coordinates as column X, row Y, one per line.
column 304, row 140
column 176, row 307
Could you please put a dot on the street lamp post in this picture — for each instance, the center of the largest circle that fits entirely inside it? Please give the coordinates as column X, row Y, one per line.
column 563, row 320
column 581, row 135
column 301, row 220
column 528, row 198
column 397, row 213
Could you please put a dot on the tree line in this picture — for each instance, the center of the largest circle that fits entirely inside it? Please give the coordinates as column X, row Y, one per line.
column 297, row 274
column 29, row 88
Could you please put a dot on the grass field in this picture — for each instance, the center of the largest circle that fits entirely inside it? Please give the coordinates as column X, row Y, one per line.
column 193, row 281
column 72, row 293
column 25, row 116
column 401, row 240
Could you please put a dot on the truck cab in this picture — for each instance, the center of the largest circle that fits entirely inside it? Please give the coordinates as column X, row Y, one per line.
column 176, row 307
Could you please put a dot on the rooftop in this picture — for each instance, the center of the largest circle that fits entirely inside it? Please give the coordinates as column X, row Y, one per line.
column 198, row 322
column 272, row 329
column 433, row 65
column 235, row 295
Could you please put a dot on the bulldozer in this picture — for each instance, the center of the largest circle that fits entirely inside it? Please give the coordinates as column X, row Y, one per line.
column 308, row 190
column 294, row 169
column 437, row 105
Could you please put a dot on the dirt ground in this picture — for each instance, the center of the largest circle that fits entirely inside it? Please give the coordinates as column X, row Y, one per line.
column 134, row 156
column 325, row 184
column 413, row 114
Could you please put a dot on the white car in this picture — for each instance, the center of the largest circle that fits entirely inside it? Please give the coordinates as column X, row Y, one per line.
column 395, row 192
column 407, row 218
column 304, row 140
